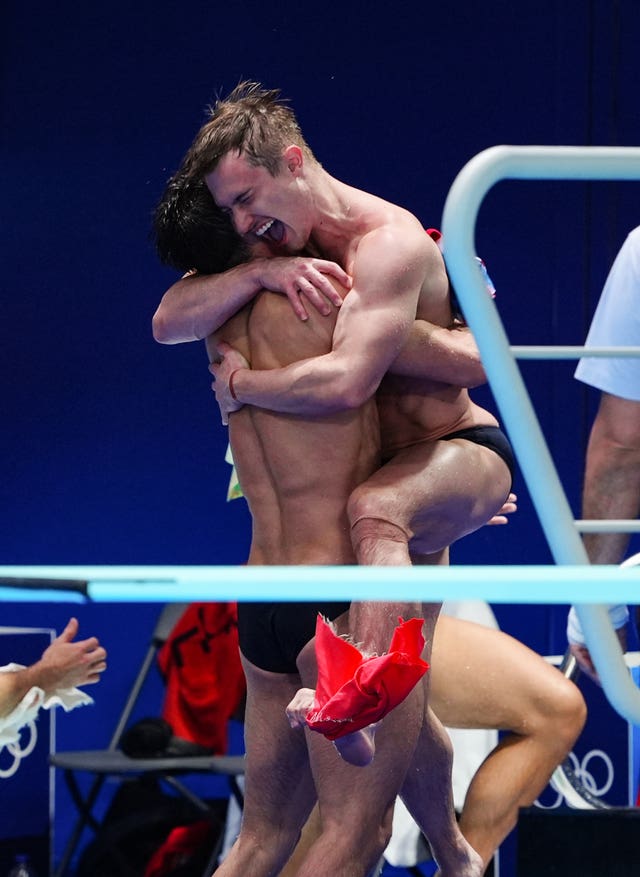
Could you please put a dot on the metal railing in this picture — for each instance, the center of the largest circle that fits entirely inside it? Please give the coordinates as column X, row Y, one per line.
column 516, row 411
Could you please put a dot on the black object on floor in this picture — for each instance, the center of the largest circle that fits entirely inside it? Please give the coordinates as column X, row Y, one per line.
column 578, row 843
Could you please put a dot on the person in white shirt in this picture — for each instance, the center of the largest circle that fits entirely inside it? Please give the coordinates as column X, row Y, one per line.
column 612, row 470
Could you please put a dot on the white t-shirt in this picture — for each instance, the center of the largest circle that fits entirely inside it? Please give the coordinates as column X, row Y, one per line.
column 617, row 322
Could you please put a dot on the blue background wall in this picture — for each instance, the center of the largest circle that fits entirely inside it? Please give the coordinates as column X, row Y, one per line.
column 112, row 451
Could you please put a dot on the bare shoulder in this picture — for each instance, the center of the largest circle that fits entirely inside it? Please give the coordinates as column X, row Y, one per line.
column 411, row 258
column 397, row 246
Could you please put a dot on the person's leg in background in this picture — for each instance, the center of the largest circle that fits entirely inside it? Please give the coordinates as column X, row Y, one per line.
column 483, row 678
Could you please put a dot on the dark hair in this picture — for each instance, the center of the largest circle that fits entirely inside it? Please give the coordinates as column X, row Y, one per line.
column 190, row 232
column 252, row 120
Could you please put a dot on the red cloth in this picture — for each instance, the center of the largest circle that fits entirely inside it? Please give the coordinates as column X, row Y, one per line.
column 353, row 691
column 205, row 684
column 179, row 849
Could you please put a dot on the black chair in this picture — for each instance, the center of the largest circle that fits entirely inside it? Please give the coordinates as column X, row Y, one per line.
column 115, row 764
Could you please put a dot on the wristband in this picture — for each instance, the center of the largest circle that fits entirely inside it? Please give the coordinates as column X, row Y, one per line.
column 232, row 392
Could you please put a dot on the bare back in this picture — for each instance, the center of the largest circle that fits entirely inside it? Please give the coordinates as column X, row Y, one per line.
column 296, row 473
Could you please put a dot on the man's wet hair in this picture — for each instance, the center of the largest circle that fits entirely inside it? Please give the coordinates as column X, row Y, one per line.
column 253, row 121
column 190, row 232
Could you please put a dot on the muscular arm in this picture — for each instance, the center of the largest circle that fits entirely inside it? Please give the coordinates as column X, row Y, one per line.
column 373, row 324
column 612, row 475
column 196, row 306
column 448, row 354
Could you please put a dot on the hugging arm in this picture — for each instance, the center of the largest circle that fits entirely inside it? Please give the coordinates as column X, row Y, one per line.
column 374, row 323
column 197, row 305
column 441, row 353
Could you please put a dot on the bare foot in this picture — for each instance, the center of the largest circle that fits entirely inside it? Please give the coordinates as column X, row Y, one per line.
column 357, row 748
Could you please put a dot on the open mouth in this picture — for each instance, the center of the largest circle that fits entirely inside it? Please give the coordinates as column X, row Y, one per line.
column 272, row 230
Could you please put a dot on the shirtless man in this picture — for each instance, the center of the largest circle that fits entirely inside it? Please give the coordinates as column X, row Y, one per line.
column 329, row 456
column 391, row 276
column 287, row 519
column 263, row 175
column 479, row 677
column 517, row 690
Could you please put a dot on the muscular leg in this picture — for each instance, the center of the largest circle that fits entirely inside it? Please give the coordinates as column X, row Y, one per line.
column 424, row 499
column 428, row 796
column 279, row 791
column 356, row 803
column 482, row 678
column 310, row 833
column 416, row 505
column 426, row 496
column 413, row 508
column 427, row 790
column 427, row 785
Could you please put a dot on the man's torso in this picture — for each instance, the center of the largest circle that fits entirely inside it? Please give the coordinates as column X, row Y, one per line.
column 296, row 473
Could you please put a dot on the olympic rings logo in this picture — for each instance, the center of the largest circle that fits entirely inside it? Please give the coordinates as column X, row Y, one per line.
column 582, row 772
column 18, row 751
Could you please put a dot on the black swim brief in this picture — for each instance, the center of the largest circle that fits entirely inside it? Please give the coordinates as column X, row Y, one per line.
column 272, row 635
column 490, row 437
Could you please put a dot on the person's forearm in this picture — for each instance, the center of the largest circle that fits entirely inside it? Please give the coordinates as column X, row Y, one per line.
column 371, row 328
column 13, row 687
column 442, row 354
column 611, row 491
column 196, row 306
column 319, row 386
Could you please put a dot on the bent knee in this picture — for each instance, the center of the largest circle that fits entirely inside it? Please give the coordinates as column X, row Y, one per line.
column 377, row 512
column 573, row 709
column 369, row 501
column 563, row 713
column 378, row 529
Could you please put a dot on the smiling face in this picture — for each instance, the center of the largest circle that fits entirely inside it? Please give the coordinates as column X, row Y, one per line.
column 262, row 207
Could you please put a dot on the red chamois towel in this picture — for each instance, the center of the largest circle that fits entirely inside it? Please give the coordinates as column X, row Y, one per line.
column 354, row 691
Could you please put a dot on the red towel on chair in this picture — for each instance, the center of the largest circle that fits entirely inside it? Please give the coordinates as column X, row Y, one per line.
column 181, row 851
column 354, row 691
column 200, row 663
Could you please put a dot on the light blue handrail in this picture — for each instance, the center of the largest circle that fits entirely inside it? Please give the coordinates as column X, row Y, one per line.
column 516, row 411
column 162, row 584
